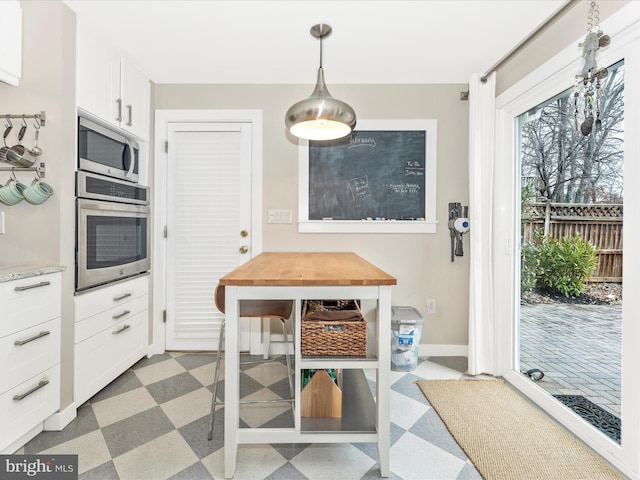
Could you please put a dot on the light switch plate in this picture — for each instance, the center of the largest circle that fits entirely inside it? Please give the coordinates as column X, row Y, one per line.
column 279, row 216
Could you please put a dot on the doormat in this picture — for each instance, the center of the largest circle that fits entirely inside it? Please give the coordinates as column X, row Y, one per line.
column 597, row 416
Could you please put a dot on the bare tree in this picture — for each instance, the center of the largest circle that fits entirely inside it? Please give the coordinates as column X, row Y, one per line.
column 569, row 167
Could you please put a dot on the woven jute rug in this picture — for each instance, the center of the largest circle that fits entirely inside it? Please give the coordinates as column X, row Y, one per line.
column 507, row 438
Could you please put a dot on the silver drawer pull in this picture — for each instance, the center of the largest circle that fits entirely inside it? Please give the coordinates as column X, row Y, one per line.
column 29, row 287
column 120, row 315
column 124, row 327
column 35, row 337
column 121, row 297
column 41, row 384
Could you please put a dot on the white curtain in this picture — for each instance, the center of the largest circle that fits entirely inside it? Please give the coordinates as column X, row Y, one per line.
column 482, row 344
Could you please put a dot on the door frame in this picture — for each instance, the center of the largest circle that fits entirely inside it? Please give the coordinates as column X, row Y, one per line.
column 546, row 81
column 159, row 208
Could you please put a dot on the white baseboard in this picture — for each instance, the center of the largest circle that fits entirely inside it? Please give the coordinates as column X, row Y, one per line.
column 438, row 350
column 61, row 419
column 277, row 346
column 155, row 349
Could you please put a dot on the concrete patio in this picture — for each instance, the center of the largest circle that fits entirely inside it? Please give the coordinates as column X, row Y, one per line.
column 577, row 347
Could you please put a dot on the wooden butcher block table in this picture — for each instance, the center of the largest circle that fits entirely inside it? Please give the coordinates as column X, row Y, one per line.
column 318, row 275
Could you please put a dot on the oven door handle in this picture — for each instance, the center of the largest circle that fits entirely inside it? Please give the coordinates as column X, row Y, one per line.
column 132, row 163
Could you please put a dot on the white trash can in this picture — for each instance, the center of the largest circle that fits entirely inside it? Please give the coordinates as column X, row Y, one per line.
column 406, row 330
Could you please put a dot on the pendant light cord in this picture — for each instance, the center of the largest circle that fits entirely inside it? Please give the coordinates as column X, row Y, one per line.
column 321, row 50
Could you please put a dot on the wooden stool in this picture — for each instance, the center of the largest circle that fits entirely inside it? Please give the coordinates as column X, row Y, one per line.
column 280, row 309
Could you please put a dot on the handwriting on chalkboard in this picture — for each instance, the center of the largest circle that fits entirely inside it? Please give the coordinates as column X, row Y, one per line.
column 411, row 188
column 414, row 168
column 368, row 174
column 356, row 141
column 359, row 188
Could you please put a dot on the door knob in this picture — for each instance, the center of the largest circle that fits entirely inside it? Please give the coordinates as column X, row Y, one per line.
column 244, row 249
column 244, row 233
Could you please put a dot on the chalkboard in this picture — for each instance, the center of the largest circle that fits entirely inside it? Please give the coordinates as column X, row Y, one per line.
column 380, row 178
column 368, row 174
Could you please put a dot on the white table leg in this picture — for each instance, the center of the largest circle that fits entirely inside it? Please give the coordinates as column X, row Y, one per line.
column 384, row 377
column 266, row 337
column 231, row 381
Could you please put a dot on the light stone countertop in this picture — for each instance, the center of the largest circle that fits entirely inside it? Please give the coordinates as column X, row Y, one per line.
column 16, row 272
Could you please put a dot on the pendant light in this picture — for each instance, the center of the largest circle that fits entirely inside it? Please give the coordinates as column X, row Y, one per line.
column 320, row 117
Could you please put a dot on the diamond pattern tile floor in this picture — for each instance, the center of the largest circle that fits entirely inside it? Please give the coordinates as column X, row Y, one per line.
column 151, row 423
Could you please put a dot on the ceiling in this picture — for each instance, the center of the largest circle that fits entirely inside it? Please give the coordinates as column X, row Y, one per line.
column 373, row 42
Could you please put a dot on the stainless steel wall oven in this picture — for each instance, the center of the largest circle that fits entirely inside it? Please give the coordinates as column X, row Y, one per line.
column 113, row 230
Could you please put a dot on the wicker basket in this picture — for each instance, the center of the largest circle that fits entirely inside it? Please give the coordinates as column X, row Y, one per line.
column 333, row 338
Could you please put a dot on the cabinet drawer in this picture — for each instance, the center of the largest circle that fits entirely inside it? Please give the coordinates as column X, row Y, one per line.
column 29, row 352
column 28, row 302
column 107, row 319
column 104, row 356
column 28, row 404
column 92, row 303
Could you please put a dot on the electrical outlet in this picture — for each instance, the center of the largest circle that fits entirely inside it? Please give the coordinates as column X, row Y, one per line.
column 431, row 305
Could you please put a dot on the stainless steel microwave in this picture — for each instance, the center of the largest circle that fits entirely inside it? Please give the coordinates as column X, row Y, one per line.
column 113, row 230
column 105, row 151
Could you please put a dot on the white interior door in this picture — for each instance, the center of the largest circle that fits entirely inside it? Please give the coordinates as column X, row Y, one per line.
column 208, row 225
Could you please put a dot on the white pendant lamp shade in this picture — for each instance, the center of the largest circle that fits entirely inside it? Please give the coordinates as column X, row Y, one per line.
column 320, row 117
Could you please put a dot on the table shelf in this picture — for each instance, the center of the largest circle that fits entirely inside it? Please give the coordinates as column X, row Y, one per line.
column 338, row 362
column 358, row 409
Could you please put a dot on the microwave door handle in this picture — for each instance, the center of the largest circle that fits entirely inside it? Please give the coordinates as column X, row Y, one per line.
column 133, row 158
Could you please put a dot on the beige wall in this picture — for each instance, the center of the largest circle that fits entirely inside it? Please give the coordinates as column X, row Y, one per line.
column 421, row 262
column 44, row 234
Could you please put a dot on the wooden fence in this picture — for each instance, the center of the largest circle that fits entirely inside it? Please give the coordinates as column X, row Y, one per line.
column 600, row 224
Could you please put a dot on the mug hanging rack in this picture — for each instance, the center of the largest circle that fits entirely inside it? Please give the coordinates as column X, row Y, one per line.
column 40, row 117
column 39, row 169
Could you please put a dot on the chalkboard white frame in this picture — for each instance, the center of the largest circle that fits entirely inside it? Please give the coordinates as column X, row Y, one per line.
column 428, row 225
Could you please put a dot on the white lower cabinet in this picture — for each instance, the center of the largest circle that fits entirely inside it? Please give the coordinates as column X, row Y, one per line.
column 29, row 404
column 29, row 357
column 111, row 334
column 29, row 352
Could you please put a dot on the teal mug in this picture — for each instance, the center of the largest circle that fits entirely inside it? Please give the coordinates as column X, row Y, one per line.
column 11, row 193
column 37, row 192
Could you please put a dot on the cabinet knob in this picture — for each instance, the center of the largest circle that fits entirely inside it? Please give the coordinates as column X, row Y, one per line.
column 244, row 249
column 244, row 233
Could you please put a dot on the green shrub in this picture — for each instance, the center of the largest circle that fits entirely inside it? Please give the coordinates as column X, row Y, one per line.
column 530, row 262
column 565, row 265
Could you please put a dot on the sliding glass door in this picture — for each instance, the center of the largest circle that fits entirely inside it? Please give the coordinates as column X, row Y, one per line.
column 571, row 219
column 568, row 336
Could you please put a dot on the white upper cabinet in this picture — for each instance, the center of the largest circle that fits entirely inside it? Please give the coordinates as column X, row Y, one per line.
column 111, row 87
column 10, row 41
column 98, row 77
column 134, row 95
